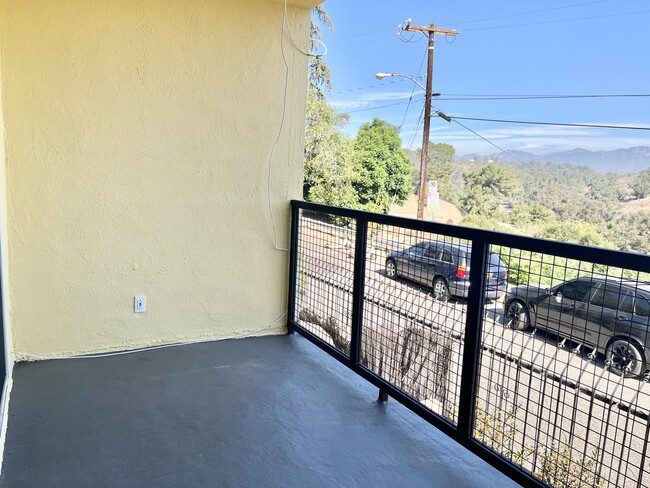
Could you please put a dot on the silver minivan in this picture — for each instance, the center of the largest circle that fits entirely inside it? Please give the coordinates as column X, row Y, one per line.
column 445, row 268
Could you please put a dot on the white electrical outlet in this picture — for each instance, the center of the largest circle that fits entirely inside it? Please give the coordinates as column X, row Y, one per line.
column 140, row 305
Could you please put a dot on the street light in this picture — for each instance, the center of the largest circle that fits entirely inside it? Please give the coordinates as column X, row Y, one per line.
column 427, row 120
column 381, row 76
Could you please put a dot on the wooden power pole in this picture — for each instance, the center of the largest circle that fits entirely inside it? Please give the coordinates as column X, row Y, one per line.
column 430, row 32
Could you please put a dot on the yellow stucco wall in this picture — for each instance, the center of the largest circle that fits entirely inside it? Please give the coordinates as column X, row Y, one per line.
column 138, row 138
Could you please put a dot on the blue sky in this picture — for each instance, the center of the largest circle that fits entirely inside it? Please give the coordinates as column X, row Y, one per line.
column 561, row 47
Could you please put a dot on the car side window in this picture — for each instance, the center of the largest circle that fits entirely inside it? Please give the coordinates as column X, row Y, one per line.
column 627, row 302
column 606, row 297
column 431, row 252
column 416, row 250
column 575, row 290
column 642, row 306
column 445, row 256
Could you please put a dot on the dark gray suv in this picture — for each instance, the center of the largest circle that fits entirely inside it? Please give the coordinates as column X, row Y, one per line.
column 445, row 268
column 610, row 315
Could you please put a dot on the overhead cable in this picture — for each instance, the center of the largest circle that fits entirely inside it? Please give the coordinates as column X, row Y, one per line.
column 558, row 21
column 561, row 124
column 529, row 12
column 485, row 139
column 536, row 97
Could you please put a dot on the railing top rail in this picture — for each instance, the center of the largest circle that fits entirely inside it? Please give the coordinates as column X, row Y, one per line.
column 607, row 257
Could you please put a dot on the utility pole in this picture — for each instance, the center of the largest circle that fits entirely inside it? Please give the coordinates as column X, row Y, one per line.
column 430, row 32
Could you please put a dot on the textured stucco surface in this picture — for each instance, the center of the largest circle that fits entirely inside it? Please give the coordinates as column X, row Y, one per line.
column 138, row 138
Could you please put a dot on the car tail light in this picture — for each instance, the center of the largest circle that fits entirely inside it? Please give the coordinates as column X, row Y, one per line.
column 505, row 274
column 462, row 272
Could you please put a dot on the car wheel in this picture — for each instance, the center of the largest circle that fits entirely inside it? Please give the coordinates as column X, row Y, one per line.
column 440, row 289
column 391, row 268
column 517, row 315
column 625, row 358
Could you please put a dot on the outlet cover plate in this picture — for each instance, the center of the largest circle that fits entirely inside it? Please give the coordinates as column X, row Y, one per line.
column 140, row 304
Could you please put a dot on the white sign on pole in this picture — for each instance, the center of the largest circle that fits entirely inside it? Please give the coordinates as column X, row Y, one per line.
column 433, row 200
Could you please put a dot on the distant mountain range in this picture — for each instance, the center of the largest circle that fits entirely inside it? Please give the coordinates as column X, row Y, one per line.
column 631, row 160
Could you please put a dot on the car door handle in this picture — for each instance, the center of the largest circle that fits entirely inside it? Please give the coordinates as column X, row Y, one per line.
column 623, row 317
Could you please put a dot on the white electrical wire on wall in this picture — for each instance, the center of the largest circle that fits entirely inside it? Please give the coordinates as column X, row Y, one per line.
column 285, row 26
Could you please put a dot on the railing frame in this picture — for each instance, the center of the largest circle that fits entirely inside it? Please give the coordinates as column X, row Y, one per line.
column 480, row 239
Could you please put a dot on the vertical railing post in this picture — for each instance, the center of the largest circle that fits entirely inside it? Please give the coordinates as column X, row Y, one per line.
column 360, row 243
column 293, row 267
column 472, row 340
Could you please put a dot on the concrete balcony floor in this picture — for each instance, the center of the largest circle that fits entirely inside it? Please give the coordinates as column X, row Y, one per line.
column 267, row 411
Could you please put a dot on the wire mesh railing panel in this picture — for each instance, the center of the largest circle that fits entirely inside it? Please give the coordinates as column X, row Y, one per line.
column 325, row 277
column 555, row 383
column 414, row 314
column 562, row 376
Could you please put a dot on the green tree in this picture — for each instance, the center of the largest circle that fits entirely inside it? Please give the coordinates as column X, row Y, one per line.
column 441, row 166
column 328, row 155
column 381, row 167
column 535, row 214
column 319, row 75
column 577, row 232
column 633, row 232
column 488, row 187
column 641, row 186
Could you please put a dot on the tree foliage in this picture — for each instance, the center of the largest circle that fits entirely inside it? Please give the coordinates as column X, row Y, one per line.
column 328, row 155
column 577, row 232
column 535, row 213
column 641, row 186
column 319, row 75
column 488, row 187
column 632, row 232
column 442, row 167
column 381, row 167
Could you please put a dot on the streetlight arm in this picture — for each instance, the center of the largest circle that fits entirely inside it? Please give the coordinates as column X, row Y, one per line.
column 381, row 76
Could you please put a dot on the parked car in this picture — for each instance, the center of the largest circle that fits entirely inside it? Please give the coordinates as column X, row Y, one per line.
column 610, row 315
column 445, row 267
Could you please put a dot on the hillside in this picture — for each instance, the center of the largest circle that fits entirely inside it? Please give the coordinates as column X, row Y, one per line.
column 446, row 213
column 629, row 160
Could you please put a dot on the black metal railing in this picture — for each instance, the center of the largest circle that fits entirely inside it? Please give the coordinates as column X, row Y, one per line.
column 537, row 364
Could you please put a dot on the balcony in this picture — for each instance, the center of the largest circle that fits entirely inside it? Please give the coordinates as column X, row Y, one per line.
column 266, row 411
column 480, row 392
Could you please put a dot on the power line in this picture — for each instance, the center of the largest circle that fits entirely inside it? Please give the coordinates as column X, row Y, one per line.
column 557, row 21
column 374, row 108
column 424, row 56
column 359, row 35
column 417, row 128
column 339, row 48
column 529, row 12
column 376, row 85
column 488, row 141
column 501, row 96
column 385, row 29
column 561, row 124
column 537, row 97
